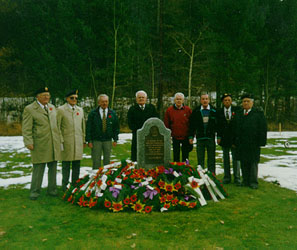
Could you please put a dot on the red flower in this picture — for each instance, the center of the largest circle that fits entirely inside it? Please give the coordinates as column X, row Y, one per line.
column 138, row 207
column 177, row 186
column 192, row 204
column 107, row 203
column 116, row 207
column 99, row 183
column 169, row 197
column 167, row 205
column 162, row 199
column 169, row 187
column 92, row 203
column 92, row 184
column 126, row 201
column 233, row 113
column 148, row 209
column 161, row 183
column 77, row 113
column 194, row 184
column 174, row 202
column 108, row 183
column 109, row 116
column 183, row 203
column 161, row 169
column 70, row 198
column 133, row 198
column 50, row 109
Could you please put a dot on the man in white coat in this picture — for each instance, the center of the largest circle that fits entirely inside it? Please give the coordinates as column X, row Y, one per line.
column 42, row 138
column 71, row 124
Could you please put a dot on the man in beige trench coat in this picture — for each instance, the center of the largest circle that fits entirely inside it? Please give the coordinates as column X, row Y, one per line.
column 42, row 138
column 71, row 123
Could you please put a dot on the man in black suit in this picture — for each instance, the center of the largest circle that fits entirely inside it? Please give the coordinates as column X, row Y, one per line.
column 251, row 135
column 226, row 138
column 137, row 115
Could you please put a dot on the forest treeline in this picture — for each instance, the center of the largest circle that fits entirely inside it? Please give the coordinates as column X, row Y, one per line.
column 120, row 46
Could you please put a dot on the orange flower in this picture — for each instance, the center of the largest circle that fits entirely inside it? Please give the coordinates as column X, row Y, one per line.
column 148, row 209
column 117, row 206
column 125, row 178
column 82, row 202
column 70, row 198
column 92, row 184
column 107, row 203
column 133, row 198
column 99, row 183
column 126, row 201
column 192, row 204
column 88, row 194
column 160, row 169
column 177, row 186
column 194, row 184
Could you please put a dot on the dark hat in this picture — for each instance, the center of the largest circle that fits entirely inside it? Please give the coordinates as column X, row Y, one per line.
column 72, row 92
column 247, row 95
column 42, row 90
column 225, row 95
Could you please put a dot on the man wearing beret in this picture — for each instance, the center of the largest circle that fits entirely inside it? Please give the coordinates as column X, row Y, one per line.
column 42, row 138
column 226, row 117
column 137, row 115
column 71, row 123
column 102, row 128
column 250, row 136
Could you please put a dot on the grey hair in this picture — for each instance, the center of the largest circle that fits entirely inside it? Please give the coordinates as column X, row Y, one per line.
column 141, row 92
column 102, row 95
column 179, row 94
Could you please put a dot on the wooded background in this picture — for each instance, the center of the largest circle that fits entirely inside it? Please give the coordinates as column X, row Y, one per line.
column 120, row 46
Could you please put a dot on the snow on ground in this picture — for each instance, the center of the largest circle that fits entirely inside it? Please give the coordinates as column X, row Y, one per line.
column 282, row 169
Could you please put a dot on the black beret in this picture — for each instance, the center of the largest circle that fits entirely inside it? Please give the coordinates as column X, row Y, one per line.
column 247, row 95
column 72, row 92
column 42, row 90
column 225, row 95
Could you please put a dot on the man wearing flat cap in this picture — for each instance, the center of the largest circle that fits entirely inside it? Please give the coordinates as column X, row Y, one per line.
column 71, row 124
column 251, row 134
column 226, row 118
column 42, row 138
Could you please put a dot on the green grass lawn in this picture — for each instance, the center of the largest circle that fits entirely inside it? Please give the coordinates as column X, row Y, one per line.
column 247, row 219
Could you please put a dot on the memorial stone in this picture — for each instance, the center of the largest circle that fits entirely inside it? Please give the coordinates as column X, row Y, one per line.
column 153, row 144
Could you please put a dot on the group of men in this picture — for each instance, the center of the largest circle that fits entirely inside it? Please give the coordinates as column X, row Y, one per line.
column 61, row 134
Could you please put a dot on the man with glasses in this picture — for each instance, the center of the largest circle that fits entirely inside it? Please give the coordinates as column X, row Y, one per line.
column 71, row 123
column 102, row 128
column 41, row 136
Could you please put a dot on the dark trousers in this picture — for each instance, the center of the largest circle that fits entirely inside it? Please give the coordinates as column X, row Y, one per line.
column 250, row 173
column 210, row 146
column 184, row 145
column 235, row 163
column 37, row 176
column 66, row 172
column 134, row 147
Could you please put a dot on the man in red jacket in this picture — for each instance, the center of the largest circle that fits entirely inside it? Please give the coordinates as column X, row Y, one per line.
column 177, row 119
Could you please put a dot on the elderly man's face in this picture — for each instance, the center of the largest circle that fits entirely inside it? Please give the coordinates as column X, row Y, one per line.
column 178, row 100
column 141, row 99
column 43, row 98
column 227, row 101
column 72, row 100
column 204, row 100
column 247, row 103
column 103, row 102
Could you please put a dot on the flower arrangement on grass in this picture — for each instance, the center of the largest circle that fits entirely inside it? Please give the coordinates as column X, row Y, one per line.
column 122, row 187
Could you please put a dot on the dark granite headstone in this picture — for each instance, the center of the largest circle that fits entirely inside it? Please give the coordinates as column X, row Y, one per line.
column 153, row 144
